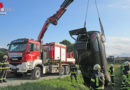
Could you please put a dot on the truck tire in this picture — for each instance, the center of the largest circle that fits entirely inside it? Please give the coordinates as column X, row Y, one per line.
column 61, row 72
column 36, row 73
column 67, row 70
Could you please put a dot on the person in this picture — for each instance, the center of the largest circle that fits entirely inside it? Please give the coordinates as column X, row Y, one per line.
column 1, row 67
column 126, row 68
column 111, row 70
column 73, row 71
column 97, row 79
column 4, row 66
column 125, row 76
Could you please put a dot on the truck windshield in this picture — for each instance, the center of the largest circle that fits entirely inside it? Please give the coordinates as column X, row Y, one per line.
column 17, row 47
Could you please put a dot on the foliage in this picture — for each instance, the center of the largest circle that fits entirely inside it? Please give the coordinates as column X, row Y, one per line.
column 68, row 44
column 3, row 51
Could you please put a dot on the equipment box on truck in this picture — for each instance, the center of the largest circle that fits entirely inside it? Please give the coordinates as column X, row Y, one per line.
column 56, row 58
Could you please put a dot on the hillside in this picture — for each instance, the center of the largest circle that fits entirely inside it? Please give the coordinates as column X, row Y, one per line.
column 3, row 51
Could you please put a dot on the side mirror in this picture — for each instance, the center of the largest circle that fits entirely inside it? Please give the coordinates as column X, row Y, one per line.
column 31, row 47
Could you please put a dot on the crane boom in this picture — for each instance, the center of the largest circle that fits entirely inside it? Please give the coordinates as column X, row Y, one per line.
column 53, row 19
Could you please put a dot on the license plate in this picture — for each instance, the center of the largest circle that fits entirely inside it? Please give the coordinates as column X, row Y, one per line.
column 14, row 59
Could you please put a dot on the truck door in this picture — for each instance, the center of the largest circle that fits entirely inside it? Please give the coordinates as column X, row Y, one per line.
column 34, row 50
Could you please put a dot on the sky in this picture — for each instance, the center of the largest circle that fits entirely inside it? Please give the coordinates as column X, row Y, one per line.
column 25, row 18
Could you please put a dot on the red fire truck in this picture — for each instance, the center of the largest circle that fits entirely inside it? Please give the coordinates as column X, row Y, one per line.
column 29, row 56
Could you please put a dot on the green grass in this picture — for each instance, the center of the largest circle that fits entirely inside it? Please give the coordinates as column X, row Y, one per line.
column 118, row 78
column 64, row 83
column 53, row 84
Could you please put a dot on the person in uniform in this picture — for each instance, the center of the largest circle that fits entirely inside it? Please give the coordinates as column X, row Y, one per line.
column 73, row 71
column 4, row 65
column 1, row 67
column 97, row 79
column 111, row 70
column 126, row 68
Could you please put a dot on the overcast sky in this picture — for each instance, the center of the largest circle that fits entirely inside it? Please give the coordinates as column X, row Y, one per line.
column 26, row 18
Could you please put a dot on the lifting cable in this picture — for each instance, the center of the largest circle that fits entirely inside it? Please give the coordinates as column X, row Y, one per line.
column 97, row 9
column 85, row 19
column 86, row 14
column 100, row 22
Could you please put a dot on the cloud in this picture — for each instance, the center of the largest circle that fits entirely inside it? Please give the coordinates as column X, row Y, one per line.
column 3, row 46
column 125, row 4
column 118, row 46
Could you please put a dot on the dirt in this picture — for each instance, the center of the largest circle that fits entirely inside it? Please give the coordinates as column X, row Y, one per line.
column 18, row 81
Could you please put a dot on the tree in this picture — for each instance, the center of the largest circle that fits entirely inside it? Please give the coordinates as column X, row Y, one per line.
column 68, row 44
column 3, row 52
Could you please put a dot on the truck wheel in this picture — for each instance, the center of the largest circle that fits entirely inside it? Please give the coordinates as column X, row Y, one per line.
column 61, row 72
column 36, row 73
column 67, row 70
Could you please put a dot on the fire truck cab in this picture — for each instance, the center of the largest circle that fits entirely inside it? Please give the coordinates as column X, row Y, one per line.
column 24, row 55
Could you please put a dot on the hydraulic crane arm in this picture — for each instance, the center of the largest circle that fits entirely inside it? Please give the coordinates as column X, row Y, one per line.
column 53, row 19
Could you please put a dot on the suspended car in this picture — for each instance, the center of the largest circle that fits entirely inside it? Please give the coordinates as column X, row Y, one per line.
column 89, row 50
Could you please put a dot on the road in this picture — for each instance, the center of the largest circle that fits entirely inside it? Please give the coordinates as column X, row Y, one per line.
column 18, row 81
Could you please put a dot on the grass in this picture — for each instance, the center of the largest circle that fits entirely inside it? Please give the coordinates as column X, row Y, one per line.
column 64, row 83
column 53, row 84
column 118, row 78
